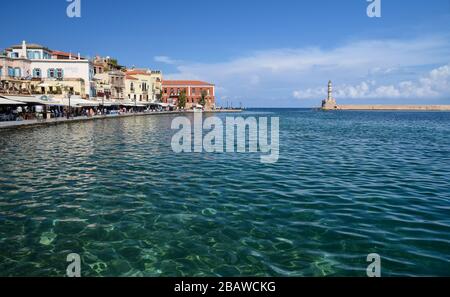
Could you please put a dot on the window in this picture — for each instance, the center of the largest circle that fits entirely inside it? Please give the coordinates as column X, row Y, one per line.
column 14, row 55
column 51, row 73
column 1, row 71
column 17, row 72
column 37, row 72
column 59, row 73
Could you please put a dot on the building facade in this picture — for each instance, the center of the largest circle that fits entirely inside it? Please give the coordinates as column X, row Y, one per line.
column 194, row 91
column 110, row 85
column 105, row 64
column 156, row 77
column 143, row 85
column 14, row 75
column 47, row 70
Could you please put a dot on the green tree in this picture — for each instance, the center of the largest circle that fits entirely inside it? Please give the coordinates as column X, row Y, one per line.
column 159, row 96
column 203, row 99
column 182, row 100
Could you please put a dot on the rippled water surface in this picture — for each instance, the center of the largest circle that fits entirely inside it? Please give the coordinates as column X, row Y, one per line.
column 347, row 184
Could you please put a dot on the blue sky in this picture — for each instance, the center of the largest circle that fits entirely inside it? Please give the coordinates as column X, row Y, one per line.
column 260, row 53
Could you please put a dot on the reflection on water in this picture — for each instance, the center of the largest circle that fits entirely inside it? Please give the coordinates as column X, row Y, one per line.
column 347, row 184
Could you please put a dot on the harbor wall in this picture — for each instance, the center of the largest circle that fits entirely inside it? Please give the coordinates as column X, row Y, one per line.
column 391, row 107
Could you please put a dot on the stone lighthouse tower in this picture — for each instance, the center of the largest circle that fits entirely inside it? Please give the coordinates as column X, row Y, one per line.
column 330, row 102
column 330, row 90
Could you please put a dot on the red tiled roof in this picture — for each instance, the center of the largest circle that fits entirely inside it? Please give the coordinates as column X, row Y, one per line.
column 130, row 77
column 137, row 72
column 60, row 53
column 185, row 83
column 65, row 54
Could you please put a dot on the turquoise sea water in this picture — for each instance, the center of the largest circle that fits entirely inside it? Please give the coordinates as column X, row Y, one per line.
column 347, row 184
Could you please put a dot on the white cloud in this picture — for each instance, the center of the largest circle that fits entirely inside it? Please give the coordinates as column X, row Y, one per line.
column 165, row 60
column 435, row 84
column 284, row 74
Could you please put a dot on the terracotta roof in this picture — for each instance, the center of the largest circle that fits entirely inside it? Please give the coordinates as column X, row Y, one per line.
column 60, row 53
column 185, row 83
column 138, row 72
column 65, row 54
column 130, row 77
column 30, row 46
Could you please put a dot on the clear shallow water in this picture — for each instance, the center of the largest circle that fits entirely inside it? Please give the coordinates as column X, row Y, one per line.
column 347, row 184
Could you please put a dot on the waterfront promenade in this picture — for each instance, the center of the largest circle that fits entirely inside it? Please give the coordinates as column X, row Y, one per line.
column 56, row 121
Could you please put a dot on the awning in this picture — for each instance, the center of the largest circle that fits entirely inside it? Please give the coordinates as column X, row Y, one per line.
column 79, row 102
column 110, row 103
column 33, row 100
column 132, row 103
column 4, row 101
column 87, row 103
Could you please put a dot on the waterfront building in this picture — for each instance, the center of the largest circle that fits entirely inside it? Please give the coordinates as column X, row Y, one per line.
column 143, row 85
column 42, row 70
column 110, row 84
column 156, row 77
column 14, row 75
column 105, row 64
column 193, row 89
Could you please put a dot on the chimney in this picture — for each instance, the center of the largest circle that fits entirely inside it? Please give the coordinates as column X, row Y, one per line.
column 79, row 56
column 24, row 49
column 70, row 56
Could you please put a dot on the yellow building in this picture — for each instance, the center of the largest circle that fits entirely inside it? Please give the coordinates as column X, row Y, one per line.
column 142, row 85
column 157, row 85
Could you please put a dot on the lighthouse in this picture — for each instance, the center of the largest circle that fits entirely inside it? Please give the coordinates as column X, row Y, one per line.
column 330, row 90
column 330, row 102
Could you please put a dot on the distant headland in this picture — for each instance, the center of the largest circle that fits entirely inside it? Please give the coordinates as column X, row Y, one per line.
column 331, row 104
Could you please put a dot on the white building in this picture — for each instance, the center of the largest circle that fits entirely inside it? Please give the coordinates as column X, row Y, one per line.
column 48, row 65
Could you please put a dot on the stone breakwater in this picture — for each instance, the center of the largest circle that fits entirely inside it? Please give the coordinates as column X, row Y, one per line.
column 389, row 107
